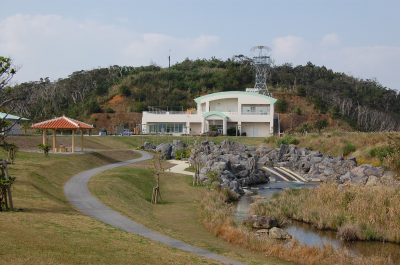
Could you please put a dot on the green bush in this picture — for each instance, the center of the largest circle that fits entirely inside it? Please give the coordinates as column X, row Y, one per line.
column 232, row 131
column 45, row 148
column 320, row 124
column 182, row 154
column 109, row 110
column 381, row 152
column 298, row 111
column 124, row 90
column 281, row 106
column 287, row 139
column 348, row 148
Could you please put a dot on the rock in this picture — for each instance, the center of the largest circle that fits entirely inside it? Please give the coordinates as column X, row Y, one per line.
column 148, row 146
column 278, row 233
column 165, row 150
column 262, row 232
column 177, row 145
column 372, row 181
column 264, row 222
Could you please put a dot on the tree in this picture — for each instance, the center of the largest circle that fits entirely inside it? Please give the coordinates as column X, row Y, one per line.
column 320, row 124
column 7, row 71
column 197, row 163
column 159, row 170
column 281, row 105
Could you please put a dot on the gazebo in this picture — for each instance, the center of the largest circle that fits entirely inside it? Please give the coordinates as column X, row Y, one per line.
column 62, row 123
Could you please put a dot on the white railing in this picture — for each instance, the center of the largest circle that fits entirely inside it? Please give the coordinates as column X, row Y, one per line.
column 164, row 112
column 255, row 113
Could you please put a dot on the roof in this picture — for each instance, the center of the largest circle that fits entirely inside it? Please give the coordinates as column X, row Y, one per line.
column 235, row 93
column 7, row 116
column 216, row 113
column 62, row 123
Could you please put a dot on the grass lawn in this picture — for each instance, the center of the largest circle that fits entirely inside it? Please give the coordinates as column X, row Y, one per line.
column 46, row 230
column 128, row 190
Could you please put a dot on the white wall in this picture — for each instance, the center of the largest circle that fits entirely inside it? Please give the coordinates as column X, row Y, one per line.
column 224, row 105
column 256, row 129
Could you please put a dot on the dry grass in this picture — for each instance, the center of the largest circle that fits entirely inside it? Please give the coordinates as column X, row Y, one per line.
column 47, row 230
column 217, row 219
column 128, row 190
column 372, row 212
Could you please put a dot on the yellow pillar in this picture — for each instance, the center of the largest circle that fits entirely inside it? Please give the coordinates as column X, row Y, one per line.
column 81, row 140
column 73, row 141
column 44, row 137
column 54, row 141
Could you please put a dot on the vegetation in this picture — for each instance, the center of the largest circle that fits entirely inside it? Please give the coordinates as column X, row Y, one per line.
column 287, row 139
column 182, row 154
column 128, row 190
column 366, row 104
column 217, row 218
column 47, row 230
column 45, row 148
column 348, row 148
column 281, row 105
column 344, row 210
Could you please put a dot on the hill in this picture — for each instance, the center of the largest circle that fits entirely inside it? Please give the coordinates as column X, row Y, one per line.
column 319, row 92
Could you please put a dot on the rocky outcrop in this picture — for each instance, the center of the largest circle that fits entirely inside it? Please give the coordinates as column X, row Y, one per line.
column 278, row 233
column 235, row 164
column 314, row 165
column 167, row 150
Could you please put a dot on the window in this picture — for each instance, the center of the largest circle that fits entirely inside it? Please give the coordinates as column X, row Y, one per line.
column 255, row 109
column 168, row 127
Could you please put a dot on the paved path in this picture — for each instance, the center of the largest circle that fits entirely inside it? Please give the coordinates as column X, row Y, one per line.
column 180, row 167
column 79, row 196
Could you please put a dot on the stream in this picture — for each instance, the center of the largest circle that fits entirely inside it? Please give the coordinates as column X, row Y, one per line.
column 307, row 234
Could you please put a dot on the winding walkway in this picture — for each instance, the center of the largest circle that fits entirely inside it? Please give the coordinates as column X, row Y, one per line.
column 78, row 194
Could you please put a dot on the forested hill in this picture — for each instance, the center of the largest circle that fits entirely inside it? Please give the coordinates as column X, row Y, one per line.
column 365, row 104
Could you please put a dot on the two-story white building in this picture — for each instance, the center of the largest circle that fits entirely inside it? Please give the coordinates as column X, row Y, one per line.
column 245, row 112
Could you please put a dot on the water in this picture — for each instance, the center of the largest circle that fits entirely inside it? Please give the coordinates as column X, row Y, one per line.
column 308, row 235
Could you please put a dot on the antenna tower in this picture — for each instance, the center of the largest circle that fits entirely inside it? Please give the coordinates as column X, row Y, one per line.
column 261, row 62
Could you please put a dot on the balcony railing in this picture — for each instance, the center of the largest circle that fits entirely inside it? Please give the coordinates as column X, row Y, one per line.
column 255, row 113
column 161, row 112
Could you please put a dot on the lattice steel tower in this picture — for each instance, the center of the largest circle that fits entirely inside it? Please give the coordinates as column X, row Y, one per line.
column 261, row 62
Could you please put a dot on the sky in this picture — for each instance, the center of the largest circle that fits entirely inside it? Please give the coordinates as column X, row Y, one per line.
column 53, row 38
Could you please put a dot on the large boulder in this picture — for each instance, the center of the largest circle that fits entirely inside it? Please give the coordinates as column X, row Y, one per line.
column 263, row 222
column 165, row 150
column 278, row 233
column 148, row 146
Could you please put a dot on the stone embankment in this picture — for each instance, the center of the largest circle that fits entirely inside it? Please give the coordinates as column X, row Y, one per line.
column 237, row 165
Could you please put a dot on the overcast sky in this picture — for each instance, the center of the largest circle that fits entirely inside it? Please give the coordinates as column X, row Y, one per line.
column 53, row 38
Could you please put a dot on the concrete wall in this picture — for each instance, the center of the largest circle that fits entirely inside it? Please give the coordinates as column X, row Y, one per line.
column 224, row 105
column 257, row 129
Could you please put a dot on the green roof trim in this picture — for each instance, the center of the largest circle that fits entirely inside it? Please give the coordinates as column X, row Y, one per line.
column 235, row 93
column 217, row 113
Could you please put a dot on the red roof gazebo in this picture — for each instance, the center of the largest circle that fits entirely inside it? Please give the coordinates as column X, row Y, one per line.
column 62, row 123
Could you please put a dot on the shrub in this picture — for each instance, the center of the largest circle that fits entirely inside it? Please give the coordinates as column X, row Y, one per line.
column 381, row 152
column 298, row 111
column 305, row 128
column 320, row 124
column 109, row 110
column 212, row 176
column 232, row 131
column 45, row 148
column 281, row 105
column 124, row 90
column 348, row 148
column 287, row 139
column 182, row 154
column 349, row 232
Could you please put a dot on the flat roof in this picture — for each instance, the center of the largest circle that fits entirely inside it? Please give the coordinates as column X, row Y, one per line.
column 234, row 93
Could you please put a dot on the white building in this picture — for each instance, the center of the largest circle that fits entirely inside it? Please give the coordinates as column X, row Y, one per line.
column 243, row 112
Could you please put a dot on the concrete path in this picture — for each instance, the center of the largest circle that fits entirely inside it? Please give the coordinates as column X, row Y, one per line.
column 180, row 167
column 78, row 194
